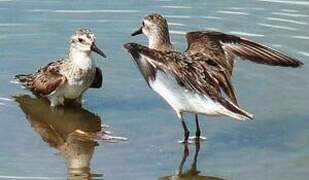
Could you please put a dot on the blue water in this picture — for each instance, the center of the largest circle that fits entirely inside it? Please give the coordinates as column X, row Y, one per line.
column 34, row 146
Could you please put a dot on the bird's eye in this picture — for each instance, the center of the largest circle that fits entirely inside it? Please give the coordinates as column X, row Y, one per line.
column 80, row 40
column 143, row 23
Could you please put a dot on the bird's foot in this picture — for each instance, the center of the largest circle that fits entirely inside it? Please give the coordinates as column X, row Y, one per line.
column 105, row 126
column 112, row 139
column 198, row 138
column 185, row 141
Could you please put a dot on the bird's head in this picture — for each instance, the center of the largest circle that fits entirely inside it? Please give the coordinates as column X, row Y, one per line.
column 83, row 40
column 153, row 26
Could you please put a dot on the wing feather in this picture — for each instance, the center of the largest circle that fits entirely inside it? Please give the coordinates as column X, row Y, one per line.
column 192, row 73
column 98, row 79
column 242, row 47
column 46, row 80
column 197, row 75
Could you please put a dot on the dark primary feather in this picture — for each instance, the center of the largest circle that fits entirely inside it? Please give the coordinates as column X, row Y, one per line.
column 222, row 49
column 44, row 81
column 187, row 72
column 200, row 75
column 205, row 48
column 221, row 75
column 147, row 70
column 216, row 44
column 98, row 79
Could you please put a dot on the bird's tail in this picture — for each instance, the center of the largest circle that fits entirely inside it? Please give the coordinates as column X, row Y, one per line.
column 234, row 111
column 24, row 79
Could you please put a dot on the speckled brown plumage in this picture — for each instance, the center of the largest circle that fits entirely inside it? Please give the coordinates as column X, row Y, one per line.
column 69, row 77
column 215, row 45
column 49, row 77
column 195, row 81
column 45, row 80
column 221, row 48
column 196, row 73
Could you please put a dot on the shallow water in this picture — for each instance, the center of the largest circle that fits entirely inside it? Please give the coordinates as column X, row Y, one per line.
column 35, row 140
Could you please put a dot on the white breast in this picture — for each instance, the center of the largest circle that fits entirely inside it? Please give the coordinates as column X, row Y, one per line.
column 181, row 99
column 79, row 83
column 78, row 78
column 79, row 75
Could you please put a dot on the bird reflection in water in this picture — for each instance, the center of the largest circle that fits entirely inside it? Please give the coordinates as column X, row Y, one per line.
column 193, row 173
column 72, row 130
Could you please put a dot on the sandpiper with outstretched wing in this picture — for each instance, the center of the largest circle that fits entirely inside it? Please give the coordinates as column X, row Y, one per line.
column 204, row 70
column 69, row 77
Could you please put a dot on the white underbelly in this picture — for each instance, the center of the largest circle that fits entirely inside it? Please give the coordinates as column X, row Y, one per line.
column 181, row 99
column 73, row 92
column 74, row 89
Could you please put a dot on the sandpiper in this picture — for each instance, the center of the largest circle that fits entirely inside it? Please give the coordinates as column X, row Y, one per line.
column 69, row 77
column 197, row 84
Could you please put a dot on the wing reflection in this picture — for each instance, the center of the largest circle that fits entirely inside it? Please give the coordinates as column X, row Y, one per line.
column 191, row 174
column 71, row 130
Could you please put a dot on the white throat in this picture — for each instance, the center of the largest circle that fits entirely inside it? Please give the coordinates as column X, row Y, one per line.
column 81, row 58
column 152, row 42
column 155, row 42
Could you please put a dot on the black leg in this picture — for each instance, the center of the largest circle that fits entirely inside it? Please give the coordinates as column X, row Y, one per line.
column 197, row 150
column 198, row 131
column 186, row 131
column 184, row 158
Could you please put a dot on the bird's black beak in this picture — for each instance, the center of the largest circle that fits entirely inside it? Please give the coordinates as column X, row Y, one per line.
column 94, row 48
column 139, row 31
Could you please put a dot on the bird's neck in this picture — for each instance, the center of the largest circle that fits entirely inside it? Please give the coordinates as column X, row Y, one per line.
column 160, row 42
column 82, row 59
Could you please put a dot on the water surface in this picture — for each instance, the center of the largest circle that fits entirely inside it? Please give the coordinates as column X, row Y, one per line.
column 35, row 141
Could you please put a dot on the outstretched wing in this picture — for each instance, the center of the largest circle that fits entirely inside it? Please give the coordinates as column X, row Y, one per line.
column 193, row 73
column 218, row 45
column 205, row 48
column 46, row 80
column 221, row 75
column 98, row 79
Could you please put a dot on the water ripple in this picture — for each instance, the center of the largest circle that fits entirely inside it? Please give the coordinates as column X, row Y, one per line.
column 290, row 14
column 90, row 20
column 287, row 20
column 290, row 10
column 258, row 8
column 214, row 29
column 287, row 2
column 177, row 7
column 246, row 34
column 276, row 45
column 97, row 11
column 178, row 16
column 29, row 177
column 301, row 37
column 236, row 8
column 304, row 53
column 233, row 12
column 6, row 99
column 84, row 11
column 12, row 24
column 212, row 17
column 278, row 27
column 176, row 24
column 178, row 32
